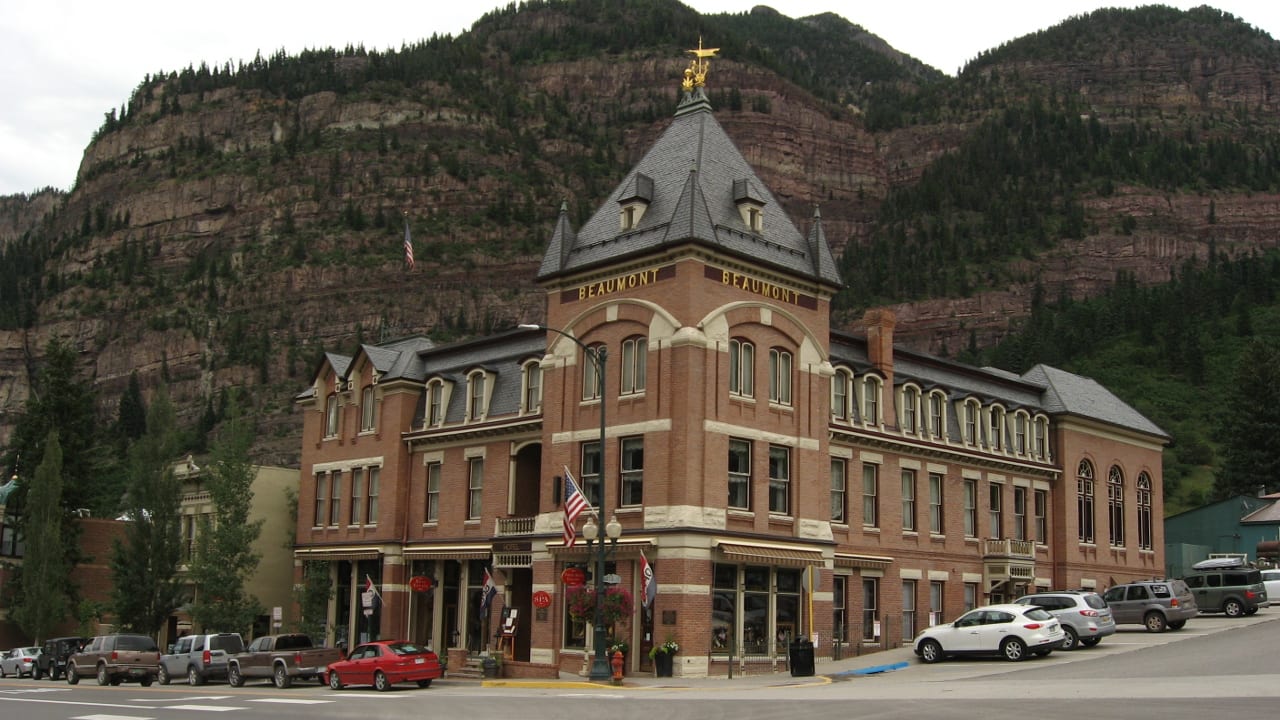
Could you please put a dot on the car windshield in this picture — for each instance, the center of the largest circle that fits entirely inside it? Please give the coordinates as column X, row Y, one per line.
column 1036, row 613
column 404, row 648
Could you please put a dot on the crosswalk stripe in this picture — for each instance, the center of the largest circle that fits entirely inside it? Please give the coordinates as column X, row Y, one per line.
column 291, row 701
column 110, row 717
column 208, row 708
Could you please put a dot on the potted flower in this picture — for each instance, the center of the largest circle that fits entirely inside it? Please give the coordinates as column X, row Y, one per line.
column 663, row 657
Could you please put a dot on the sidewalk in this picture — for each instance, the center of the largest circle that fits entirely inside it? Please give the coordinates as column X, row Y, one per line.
column 825, row 670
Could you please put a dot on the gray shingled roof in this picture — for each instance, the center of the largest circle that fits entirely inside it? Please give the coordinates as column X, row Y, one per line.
column 693, row 167
column 1078, row 395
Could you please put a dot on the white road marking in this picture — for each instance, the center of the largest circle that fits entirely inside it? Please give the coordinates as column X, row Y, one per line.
column 207, row 708
column 110, row 717
column 180, row 699
column 291, row 701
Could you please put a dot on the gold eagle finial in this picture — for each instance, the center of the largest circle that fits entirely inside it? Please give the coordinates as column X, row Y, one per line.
column 696, row 74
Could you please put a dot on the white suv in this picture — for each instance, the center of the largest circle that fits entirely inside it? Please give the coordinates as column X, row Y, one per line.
column 1084, row 615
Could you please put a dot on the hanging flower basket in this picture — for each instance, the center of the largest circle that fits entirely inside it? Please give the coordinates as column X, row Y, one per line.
column 582, row 603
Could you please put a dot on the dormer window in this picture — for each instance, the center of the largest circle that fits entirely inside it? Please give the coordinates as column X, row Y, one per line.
column 477, row 395
column 750, row 202
column 634, row 200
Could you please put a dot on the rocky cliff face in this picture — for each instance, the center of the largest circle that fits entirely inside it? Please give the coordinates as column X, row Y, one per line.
column 232, row 241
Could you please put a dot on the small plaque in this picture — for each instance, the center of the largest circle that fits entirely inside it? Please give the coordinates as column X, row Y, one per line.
column 668, row 617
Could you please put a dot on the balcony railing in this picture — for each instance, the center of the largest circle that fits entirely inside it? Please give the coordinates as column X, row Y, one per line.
column 1024, row 549
column 508, row 527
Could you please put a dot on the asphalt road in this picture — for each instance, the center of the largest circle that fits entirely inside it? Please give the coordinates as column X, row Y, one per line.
column 1213, row 667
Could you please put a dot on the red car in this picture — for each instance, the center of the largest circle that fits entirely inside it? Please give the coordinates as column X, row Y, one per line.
column 384, row 663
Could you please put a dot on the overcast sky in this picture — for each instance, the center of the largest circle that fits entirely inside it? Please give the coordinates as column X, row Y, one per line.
column 67, row 62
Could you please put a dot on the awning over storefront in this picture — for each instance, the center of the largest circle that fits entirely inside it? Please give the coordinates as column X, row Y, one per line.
column 628, row 547
column 448, row 552
column 333, row 554
column 866, row 562
column 769, row 554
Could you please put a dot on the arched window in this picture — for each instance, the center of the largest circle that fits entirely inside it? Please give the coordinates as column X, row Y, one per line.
column 368, row 418
column 1144, row 511
column 477, row 395
column 1115, row 505
column 532, row 381
column 331, row 415
column 840, row 383
column 1042, row 438
column 779, row 376
column 634, row 356
column 937, row 419
column 435, row 403
column 1084, row 500
column 742, row 361
column 910, row 402
column 591, row 389
column 972, row 411
column 1020, row 420
column 995, row 419
column 871, row 400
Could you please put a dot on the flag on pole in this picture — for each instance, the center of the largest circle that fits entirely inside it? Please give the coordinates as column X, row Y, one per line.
column 369, row 587
column 408, row 243
column 648, row 583
column 574, row 504
column 488, row 591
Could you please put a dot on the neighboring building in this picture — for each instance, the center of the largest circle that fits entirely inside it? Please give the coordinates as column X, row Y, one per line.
column 1235, row 526
column 745, row 443
column 272, row 582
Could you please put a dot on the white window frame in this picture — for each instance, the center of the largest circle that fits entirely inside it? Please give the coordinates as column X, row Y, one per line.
column 475, row 488
column 908, row 500
column 780, row 376
column 742, row 356
column 635, row 356
column 368, row 414
column 531, row 386
column 477, row 395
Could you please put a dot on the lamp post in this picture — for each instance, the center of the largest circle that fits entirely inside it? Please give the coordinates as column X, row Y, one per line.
column 600, row 664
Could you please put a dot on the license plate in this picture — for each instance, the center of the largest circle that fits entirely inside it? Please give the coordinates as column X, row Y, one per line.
column 419, row 661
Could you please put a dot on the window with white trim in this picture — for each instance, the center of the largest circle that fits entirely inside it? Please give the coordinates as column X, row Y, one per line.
column 937, row 420
column 531, row 378
column 1115, row 505
column 1042, row 438
column 972, row 410
column 870, row 608
column 908, row 609
column 910, row 403
column 1019, row 513
column 1084, row 500
column 368, row 418
column 839, row 489
column 1020, row 433
column 779, row 376
column 435, row 403
column 1145, row 537
column 908, row 500
column 322, row 484
column 434, row 471
column 870, row 495
column 970, row 508
column 742, row 359
column 635, row 352
column 1042, row 516
column 779, row 480
column 590, row 475
column 995, row 416
column 871, row 386
column 840, row 383
column 632, row 471
column 591, row 389
column 371, row 496
column 475, row 487
column 356, row 516
column 331, row 415
column 995, row 510
column 935, row 504
column 477, row 395
column 335, row 497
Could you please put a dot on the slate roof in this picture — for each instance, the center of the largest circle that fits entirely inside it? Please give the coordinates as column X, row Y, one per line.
column 691, row 171
column 1079, row 395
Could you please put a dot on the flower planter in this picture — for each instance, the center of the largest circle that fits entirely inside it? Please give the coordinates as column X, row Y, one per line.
column 663, row 664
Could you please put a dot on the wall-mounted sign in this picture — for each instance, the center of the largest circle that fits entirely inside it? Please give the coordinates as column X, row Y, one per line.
column 618, row 284
column 573, row 577
column 421, row 583
column 760, row 288
column 542, row 599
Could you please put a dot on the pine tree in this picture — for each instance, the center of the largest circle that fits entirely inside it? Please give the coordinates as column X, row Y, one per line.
column 144, row 566
column 45, row 598
column 224, row 558
column 132, row 416
column 1251, row 457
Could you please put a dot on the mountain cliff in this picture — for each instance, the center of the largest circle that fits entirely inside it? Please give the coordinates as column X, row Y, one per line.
column 232, row 222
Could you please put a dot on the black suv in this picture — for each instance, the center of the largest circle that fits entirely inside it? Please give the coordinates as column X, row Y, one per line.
column 52, row 660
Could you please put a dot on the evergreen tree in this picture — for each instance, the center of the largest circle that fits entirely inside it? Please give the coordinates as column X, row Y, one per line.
column 224, row 558
column 1251, row 457
column 44, row 598
column 144, row 566
column 132, row 417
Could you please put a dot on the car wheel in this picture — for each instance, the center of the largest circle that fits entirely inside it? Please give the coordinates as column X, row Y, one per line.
column 1233, row 608
column 1044, row 653
column 931, row 651
column 73, row 677
column 424, row 683
column 163, row 676
column 1177, row 624
column 335, row 682
column 234, row 678
column 381, row 682
column 1070, row 638
column 1251, row 611
column 194, row 677
column 1090, row 642
column 103, row 677
column 1155, row 622
column 35, row 673
column 145, row 682
column 116, row 681
column 2, row 674
column 281, row 678
column 1013, row 649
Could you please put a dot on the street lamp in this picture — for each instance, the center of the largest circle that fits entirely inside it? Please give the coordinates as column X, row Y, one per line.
column 597, row 356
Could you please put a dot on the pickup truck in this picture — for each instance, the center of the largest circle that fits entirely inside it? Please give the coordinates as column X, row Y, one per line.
column 283, row 658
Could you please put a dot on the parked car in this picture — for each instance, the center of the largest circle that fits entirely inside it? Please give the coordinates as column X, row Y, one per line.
column 1228, row 586
column 52, row 660
column 1157, row 604
column 383, row 664
column 1271, row 581
column 18, row 661
column 199, row 657
column 1011, row 631
column 282, row 658
column 1084, row 615
column 116, row 658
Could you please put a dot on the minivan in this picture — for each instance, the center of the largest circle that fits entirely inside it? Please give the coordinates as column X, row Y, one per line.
column 1234, row 589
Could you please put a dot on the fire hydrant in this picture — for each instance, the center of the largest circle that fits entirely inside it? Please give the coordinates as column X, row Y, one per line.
column 616, row 662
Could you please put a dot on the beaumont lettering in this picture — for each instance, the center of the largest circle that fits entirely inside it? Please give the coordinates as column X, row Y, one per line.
column 756, row 286
column 618, row 284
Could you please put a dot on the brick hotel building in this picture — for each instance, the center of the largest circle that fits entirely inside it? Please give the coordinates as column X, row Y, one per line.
column 784, row 480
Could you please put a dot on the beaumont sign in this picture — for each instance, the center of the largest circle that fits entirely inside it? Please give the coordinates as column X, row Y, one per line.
column 618, row 284
column 762, row 288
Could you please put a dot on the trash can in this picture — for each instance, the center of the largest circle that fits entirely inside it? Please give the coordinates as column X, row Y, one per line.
column 801, row 658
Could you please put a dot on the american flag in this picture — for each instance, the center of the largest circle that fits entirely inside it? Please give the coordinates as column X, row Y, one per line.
column 574, row 503
column 408, row 243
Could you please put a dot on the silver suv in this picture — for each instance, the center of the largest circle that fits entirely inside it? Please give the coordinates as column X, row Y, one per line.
column 1157, row 604
column 199, row 658
column 1084, row 615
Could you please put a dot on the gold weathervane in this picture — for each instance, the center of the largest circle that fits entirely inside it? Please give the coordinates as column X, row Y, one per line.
column 696, row 74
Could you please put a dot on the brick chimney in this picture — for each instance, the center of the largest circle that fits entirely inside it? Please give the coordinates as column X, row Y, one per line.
column 880, row 324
